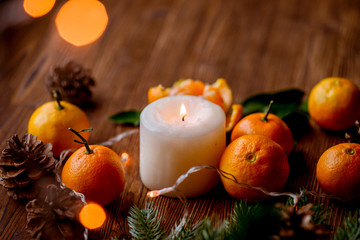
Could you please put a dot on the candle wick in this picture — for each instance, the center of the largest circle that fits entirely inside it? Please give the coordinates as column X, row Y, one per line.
column 183, row 118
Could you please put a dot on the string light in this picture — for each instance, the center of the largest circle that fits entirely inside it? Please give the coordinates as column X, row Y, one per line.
column 174, row 188
column 124, row 157
column 118, row 137
column 182, row 198
column 153, row 194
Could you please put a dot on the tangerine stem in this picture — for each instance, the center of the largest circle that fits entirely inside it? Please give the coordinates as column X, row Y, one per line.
column 265, row 118
column 77, row 133
column 350, row 151
column 57, row 97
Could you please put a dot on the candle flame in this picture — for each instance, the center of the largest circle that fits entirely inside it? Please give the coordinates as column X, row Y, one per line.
column 183, row 112
column 92, row 216
column 153, row 194
column 124, row 157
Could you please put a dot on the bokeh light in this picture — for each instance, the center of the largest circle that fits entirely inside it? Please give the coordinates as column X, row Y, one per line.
column 38, row 8
column 124, row 157
column 153, row 194
column 92, row 216
column 81, row 22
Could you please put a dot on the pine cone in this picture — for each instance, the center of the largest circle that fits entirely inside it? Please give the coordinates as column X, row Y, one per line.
column 22, row 163
column 56, row 215
column 73, row 81
column 298, row 224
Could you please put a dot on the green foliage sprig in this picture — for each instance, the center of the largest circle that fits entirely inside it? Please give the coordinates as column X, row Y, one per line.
column 187, row 231
column 145, row 224
column 131, row 117
column 208, row 231
column 247, row 221
column 350, row 229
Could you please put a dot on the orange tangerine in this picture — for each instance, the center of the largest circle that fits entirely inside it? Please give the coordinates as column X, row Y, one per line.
column 266, row 124
column 255, row 160
column 338, row 171
column 50, row 123
column 334, row 103
column 99, row 175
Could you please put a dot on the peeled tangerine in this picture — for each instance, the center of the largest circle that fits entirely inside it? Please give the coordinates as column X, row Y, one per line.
column 255, row 160
column 219, row 93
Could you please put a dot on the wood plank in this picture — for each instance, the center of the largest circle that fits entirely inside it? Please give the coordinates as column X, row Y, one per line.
column 256, row 45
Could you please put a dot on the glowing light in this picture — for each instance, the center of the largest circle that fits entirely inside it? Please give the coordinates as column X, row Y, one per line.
column 92, row 216
column 153, row 194
column 183, row 112
column 124, row 157
column 38, row 8
column 81, row 22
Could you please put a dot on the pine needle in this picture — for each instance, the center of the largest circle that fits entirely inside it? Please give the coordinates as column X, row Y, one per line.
column 247, row 220
column 145, row 224
column 187, row 231
column 350, row 229
column 207, row 231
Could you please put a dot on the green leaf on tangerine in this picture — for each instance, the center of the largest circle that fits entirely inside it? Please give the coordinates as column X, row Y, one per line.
column 285, row 102
column 131, row 117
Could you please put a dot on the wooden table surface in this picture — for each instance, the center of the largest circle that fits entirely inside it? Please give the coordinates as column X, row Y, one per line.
column 256, row 45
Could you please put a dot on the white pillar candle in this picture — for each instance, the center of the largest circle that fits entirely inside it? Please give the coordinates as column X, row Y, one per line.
column 170, row 144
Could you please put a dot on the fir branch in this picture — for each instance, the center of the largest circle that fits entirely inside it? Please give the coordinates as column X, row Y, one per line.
column 145, row 224
column 350, row 229
column 187, row 231
column 244, row 223
column 208, row 231
column 246, row 219
column 320, row 216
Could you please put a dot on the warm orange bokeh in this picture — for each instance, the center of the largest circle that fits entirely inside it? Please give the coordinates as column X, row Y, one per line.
column 38, row 8
column 92, row 216
column 153, row 194
column 81, row 22
column 124, row 157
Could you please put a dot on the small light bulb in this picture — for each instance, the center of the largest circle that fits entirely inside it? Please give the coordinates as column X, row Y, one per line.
column 124, row 157
column 153, row 194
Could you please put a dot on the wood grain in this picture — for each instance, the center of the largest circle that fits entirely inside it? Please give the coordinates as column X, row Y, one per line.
column 256, row 45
